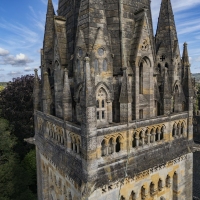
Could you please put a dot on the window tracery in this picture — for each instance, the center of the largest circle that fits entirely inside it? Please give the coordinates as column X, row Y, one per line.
column 101, row 106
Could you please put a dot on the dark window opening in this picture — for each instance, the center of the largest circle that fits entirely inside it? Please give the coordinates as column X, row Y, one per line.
column 98, row 115
column 141, row 79
column 103, row 114
column 134, row 141
column 118, row 145
column 103, row 104
column 159, row 68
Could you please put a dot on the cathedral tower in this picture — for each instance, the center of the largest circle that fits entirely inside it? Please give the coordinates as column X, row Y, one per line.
column 113, row 111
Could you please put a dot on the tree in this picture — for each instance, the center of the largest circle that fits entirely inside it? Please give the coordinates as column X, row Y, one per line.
column 15, row 177
column 17, row 158
column 16, row 102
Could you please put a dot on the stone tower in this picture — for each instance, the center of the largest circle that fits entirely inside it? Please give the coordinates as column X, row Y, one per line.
column 113, row 111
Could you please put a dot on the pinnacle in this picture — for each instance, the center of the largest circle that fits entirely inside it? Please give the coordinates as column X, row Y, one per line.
column 185, row 57
column 50, row 8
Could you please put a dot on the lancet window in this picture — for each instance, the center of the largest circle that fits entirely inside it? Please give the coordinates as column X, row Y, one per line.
column 101, row 105
column 96, row 66
column 132, row 196
column 160, row 184
column 110, row 146
column 105, row 65
column 141, row 79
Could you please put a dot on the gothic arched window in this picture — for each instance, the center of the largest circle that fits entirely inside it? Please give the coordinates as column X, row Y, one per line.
column 105, row 65
column 96, row 66
column 118, row 147
column 134, row 140
column 103, row 148
column 132, row 196
column 152, row 188
column 141, row 79
column 143, row 192
column 168, row 181
column 160, row 184
column 101, row 106
column 110, row 148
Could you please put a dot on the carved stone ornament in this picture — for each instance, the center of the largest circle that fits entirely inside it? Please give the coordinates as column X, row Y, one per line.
column 145, row 45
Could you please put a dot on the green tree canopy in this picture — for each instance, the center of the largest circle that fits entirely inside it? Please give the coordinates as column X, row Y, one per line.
column 16, row 102
column 16, row 177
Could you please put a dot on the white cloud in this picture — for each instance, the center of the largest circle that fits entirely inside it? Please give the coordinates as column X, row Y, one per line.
column 18, row 60
column 3, row 52
column 28, row 69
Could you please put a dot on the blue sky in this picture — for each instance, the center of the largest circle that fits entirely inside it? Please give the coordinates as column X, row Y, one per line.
column 22, row 30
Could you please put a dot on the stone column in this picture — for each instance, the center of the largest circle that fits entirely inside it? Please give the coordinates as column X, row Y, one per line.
column 143, row 136
column 114, row 145
column 149, row 138
column 106, row 149
column 154, row 138
column 74, row 148
column 159, row 133
column 175, row 132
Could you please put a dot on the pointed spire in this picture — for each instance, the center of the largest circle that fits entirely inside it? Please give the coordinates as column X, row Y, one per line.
column 49, row 27
column 50, row 8
column 187, row 83
column 46, row 94
column 36, row 91
column 94, row 19
column 67, row 99
column 166, row 35
column 185, row 57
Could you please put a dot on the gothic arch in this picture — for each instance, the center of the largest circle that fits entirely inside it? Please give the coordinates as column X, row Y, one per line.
column 78, row 90
column 143, row 60
column 106, row 89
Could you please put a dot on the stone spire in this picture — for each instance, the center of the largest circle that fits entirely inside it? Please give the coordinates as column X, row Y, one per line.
column 46, row 94
column 187, row 79
column 49, row 27
column 90, row 23
column 36, row 92
column 188, row 90
column 125, row 99
column 166, row 35
column 185, row 57
column 67, row 98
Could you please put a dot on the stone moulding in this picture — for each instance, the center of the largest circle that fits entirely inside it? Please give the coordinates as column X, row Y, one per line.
column 142, row 175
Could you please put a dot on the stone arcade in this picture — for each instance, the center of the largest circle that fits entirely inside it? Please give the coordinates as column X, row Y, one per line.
column 114, row 109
